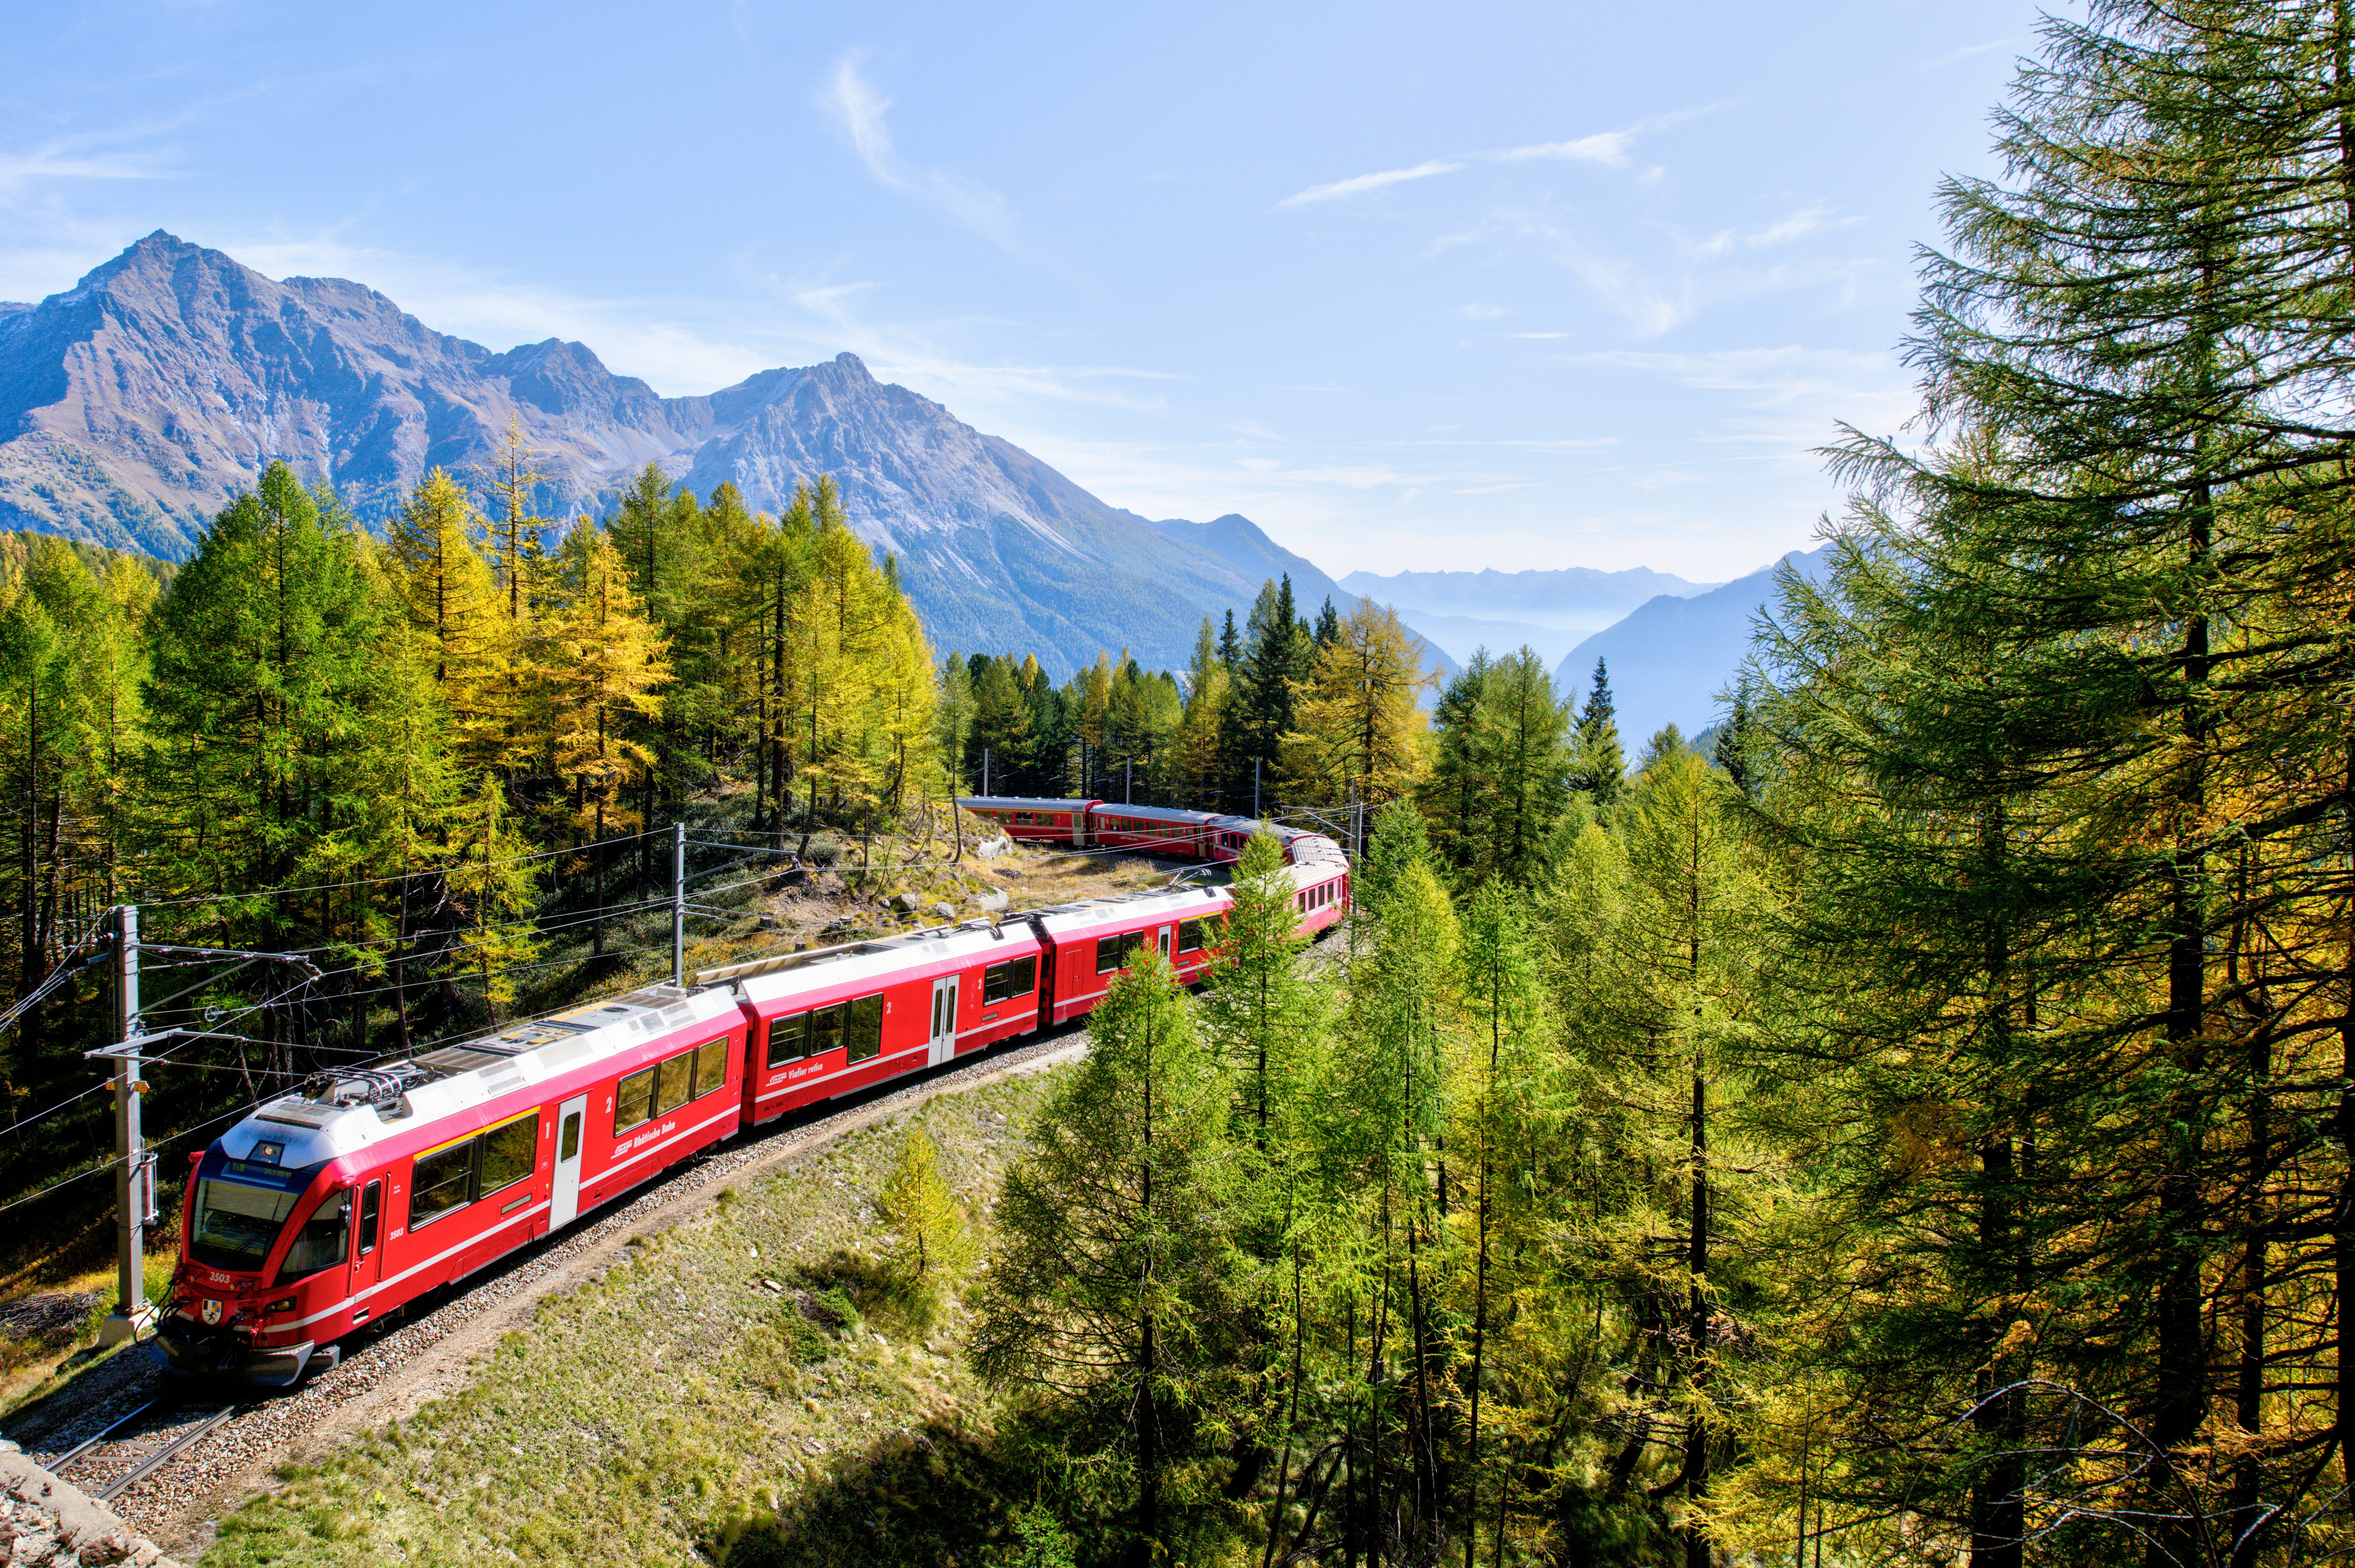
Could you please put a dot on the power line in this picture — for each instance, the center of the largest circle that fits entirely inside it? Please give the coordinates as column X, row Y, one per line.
column 382, row 881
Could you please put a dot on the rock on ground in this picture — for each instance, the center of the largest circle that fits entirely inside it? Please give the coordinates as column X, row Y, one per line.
column 51, row 1523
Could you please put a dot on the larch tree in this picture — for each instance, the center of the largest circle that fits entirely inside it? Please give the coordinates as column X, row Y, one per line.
column 1361, row 733
column 1110, row 1294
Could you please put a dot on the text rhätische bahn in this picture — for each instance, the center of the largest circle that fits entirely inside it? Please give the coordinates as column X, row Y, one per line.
column 329, row 1208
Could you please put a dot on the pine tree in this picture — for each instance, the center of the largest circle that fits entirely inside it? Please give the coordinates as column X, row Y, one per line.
column 1500, row 784
column 1273, row 664
column 956, row 708
column 2119, row 546
column 1602, row 768
column 1002, row 735
column 1503, row 1104
column 1109, row 1287
column 1458, row 796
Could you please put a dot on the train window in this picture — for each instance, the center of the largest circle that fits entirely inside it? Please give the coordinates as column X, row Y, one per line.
column 321, row 1241
column 444, row 1183
column 866, row 1031
column 1115, row 952
column 676, row 1081
column 1022, row 819
column 1015, row 977
column 371, row 1217
column 788, row 1039
column 634, row 1102
column 710, row 1065
column 826, row 1029
column 568, row 1146
column 1190, row 936
column 509, row 1154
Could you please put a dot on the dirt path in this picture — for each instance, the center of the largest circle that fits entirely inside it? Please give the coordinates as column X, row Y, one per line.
column 434, row 1348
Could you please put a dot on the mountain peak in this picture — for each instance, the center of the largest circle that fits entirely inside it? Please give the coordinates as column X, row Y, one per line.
column 131, row 410
column 157, row 252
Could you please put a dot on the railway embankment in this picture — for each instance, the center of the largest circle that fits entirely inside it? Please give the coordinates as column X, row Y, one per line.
column 46, row 1521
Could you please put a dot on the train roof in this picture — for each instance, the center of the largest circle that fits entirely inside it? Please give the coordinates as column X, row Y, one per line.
column 1021, row 803
column 1150, row 814
column 1162, row 902
column 907, row 955
column 349, row 1108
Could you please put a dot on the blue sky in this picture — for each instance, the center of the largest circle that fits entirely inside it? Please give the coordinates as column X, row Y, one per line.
column 1431, row 286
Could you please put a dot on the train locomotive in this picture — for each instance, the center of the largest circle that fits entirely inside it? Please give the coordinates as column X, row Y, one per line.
column 330, row 1207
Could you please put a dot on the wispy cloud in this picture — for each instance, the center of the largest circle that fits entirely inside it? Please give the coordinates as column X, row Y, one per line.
column 1609, row 148
column 1358, row 184
column 18, row 170
column 859, row 109
column 1652, row 288
column 1958, row 56
column 1784, row 399
column 1806, row 221
column 1603, row 147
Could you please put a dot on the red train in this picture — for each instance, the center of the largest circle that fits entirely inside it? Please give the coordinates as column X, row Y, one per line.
column 332, row 1206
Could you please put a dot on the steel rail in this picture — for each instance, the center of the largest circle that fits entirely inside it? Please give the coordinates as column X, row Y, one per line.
column 165, row 1455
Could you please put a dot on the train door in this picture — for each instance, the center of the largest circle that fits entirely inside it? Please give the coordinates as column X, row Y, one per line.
column 944, row 1019
column 1165, row 930
column 366, row 1260
column 564, row 1199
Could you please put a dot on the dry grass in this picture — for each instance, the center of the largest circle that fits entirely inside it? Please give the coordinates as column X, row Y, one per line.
column 651, row 1412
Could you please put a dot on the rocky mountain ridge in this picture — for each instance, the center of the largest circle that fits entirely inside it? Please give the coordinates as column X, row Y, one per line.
column 134, row 405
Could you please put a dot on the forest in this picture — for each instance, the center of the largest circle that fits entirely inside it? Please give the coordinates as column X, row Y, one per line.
column 427, row 763
column 1916, row 1131
column 1913, row 1128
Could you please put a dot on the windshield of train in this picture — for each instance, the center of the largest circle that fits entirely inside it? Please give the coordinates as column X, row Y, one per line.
column 240, row 1209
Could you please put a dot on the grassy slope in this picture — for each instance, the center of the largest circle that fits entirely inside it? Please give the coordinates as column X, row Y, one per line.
column 654, row 1412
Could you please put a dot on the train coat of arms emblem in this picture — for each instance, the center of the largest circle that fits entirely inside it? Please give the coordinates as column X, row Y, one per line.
column 211, row 1311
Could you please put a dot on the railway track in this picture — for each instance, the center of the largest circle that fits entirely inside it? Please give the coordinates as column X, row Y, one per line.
column 132, row 1447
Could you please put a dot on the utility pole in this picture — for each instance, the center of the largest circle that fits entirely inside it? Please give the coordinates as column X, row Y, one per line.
column 984, row 773
column 1254, row 789
column 135, row 1174
column 1128, row 782
column 679, row 904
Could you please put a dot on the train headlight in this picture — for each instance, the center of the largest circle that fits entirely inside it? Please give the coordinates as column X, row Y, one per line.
column 283, row 1303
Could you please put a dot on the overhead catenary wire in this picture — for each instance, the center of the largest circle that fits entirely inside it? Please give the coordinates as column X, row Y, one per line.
column 386, row 881
column 746, row 854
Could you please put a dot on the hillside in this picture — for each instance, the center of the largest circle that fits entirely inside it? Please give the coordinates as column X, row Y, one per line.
column 134, row 404
column 1670, row 656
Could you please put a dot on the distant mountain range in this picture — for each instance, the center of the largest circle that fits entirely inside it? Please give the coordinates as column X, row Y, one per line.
column 1670, row 656
column 135, row 404
column 1547, row 611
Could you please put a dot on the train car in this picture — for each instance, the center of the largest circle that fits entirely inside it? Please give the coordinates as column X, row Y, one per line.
column 845, row 1018
column 329, row 1207
column 1157, row 830
column 1323, row 885
column 1052, row 821
column 1097, row 939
